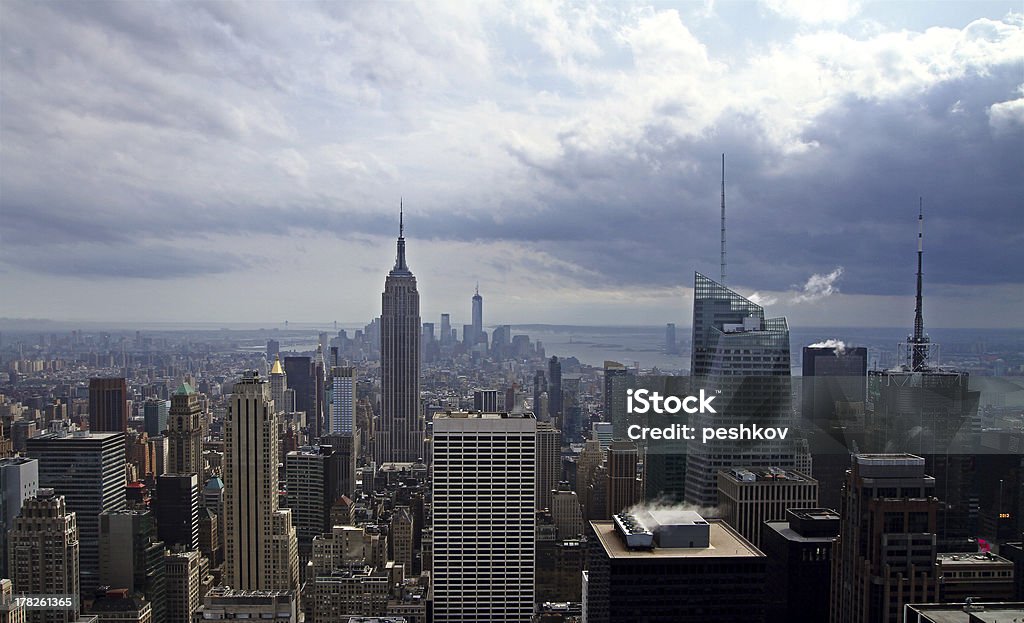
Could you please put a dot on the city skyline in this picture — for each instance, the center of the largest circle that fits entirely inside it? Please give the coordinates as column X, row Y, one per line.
column 552, row 154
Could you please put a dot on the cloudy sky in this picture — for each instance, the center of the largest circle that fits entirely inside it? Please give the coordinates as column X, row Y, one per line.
column 221, row 162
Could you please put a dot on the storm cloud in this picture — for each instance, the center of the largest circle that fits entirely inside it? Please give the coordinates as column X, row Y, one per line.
column 151, row 141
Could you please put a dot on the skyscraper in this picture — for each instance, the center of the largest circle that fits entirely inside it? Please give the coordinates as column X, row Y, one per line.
column 279, row 388
column 299, row 372
column 131, row 557
column 182, row 572
column 624, row 485
column 342, row 407
column 154, row 411
column 549, row 462
column 885, row 555
column 19, row 480
column 400, row 437
column 743, row 357
column 177, row 509
column 108, row 405
column 185, row 432
column 484, row 522
column 555, row 392
column 617, row 379
column 478, row 317
column 261, row 549
column 43, row 554
column 88, row 470
column 446, row 329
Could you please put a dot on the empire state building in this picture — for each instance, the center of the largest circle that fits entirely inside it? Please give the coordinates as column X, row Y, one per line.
column 400, row 436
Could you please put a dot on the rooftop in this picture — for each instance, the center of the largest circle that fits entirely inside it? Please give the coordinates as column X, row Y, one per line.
column 765, row 474
column 725, row 543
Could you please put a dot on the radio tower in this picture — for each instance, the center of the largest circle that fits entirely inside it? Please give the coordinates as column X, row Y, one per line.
column 919, row 343
column 722, row 280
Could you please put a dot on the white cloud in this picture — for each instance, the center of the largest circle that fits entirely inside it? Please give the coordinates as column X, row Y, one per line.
column 815, row 11
column 819, row 287
column 1007, row 117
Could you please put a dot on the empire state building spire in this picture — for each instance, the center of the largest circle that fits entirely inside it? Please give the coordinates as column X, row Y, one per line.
column 399, row 439
column 400, row 265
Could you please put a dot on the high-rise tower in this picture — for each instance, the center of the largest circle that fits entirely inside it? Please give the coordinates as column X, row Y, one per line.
column 261, row 547
column 478, row 316
column 744, row 358
column 108, row 405
column 400, row 438
column 185, row 432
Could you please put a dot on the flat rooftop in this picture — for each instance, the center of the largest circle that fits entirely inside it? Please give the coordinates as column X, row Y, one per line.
column 725, row 543
column 765, row 475
column 954, row 559
column 983, row 613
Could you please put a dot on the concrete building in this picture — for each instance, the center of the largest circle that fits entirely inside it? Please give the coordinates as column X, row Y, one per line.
column 483, row 507
column 549, row 462
column 185, row 432
column 19, row 481
column 625, row 487
column 183, row 575
column 131, row 557
column 261, row 551
column 671, row 566
column 982, row 577
column 799, row 553
column 43, row 554
column 108, row 405
column 886, row 551
column 748, row 497
column 88, row 470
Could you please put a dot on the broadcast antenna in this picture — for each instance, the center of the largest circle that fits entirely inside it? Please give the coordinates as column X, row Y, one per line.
column 723, row 220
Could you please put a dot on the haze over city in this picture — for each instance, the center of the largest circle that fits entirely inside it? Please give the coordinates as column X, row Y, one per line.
column 226, row 163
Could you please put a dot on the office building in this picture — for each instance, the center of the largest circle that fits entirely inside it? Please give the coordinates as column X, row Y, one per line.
column 625, row 488
column 446, row 329
column 155, row 412
column 108, row 405
column 979, row 576
column 301, row 378
column 19, row 481
column 975, row 612
column 555, row 392
column 400, row 436
column 315, row 477
column 748, row 497
column 132, row 557
column 885, row 555
column 478, row 318
column 342, row 407
column 10, row 611
column 743, row 358
column 261, row 552
column 799, row 554
column 185, row 432
column 671, row 343
column 88, row 470
column 566, row 512
column 177, row 509
column 671, row 566
column 483, row 507
column 273, row 349
column 183, row 575
column 43, row 554
column 283, row 397
column 833, row 400
column 488, row 401
column 549, row 462
column 400, row 538
column 617, row 379
column 121, row 606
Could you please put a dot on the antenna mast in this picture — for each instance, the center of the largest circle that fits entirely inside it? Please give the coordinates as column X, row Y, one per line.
column 723, row 220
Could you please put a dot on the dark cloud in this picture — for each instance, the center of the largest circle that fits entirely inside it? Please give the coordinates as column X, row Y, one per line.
column 128, row 139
